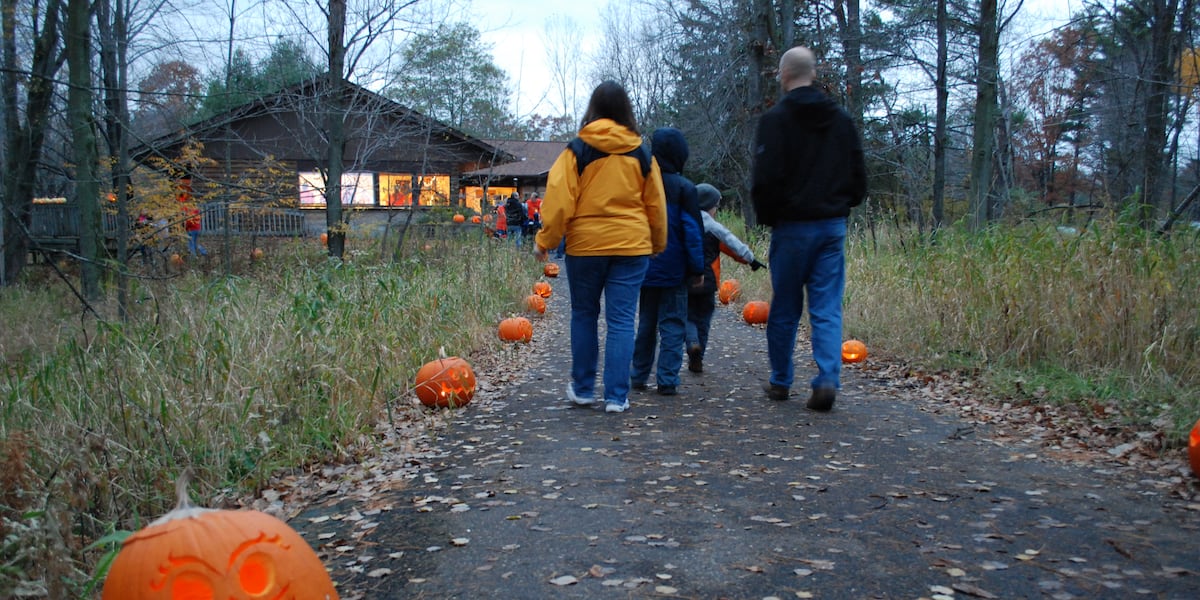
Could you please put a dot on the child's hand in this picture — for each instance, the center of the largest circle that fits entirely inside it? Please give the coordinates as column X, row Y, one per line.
column 755, row 265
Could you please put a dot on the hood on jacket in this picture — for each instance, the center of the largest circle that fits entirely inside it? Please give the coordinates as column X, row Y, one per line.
column 810, row 107
column 609, row 137
column 670, row 149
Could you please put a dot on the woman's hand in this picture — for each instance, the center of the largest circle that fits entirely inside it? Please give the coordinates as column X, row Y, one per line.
column 540, row 253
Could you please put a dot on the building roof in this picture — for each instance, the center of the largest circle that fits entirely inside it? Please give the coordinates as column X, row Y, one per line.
column 534, row 159
column 312, row 95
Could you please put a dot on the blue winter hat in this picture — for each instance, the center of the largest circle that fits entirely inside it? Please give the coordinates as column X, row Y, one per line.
column 708, row 196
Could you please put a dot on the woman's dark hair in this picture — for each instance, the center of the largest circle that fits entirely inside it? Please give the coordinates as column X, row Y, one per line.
column 609, row 101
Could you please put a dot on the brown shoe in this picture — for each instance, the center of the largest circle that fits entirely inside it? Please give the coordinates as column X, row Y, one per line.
column 775, row 392
column 822, row 399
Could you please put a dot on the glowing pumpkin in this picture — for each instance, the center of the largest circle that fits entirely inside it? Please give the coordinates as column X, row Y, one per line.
column 1194, row 449
column 853, row 351
column 542, row 289
column 729, row 291
column 756, row 312
column 460, row 219
column 200, row 553
column 475, row 219
column 177, row 260
column 324, row 238
column 256, row 254
column 550, row 269
column 445, row 382
column 535, row 303
column 516, row 329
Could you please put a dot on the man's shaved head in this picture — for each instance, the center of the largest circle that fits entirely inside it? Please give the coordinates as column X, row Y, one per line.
column 797, row 67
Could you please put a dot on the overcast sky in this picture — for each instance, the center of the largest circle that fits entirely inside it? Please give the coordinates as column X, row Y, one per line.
column 515, row 28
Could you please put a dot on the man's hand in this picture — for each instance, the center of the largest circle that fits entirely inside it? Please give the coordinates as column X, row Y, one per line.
column 755, row 265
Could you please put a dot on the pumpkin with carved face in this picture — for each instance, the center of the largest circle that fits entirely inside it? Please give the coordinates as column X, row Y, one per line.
column 445, row 382
column 542, row 289
column 196, row 553
column 854, row 351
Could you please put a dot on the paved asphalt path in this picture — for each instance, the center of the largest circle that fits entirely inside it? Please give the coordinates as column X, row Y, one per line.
column 721, row 493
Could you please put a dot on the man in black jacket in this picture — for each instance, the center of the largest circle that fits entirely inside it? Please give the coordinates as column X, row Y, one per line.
column 514, row 216
column 808, row 173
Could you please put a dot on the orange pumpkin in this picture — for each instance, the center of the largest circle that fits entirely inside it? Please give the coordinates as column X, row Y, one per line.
column 542, row 289
column 256, row 254
column 535, row 303
column 756, row 312
column 516, row 329
column 196, row 552
column 475, row 219
column 324, row 238
column 177, row 260
column 460, row 219
column 1194, row 449
column 853, row 351
column 729, row 291
column 445, row 382
column 550, row 269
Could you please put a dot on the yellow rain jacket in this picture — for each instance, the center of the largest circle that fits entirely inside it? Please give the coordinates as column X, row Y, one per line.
column 610, row 209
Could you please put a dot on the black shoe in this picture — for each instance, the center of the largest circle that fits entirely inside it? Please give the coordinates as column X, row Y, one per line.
column 667, row 390
column 822, row 399
column 775, row 392
column 695, row 362
column 641, row 387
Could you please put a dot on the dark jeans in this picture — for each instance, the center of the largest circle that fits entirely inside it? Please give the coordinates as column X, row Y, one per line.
column 699, row 319
column 618, row 279
column 662, row 312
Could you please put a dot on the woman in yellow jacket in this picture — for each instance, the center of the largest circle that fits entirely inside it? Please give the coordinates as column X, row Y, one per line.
column 605, row 194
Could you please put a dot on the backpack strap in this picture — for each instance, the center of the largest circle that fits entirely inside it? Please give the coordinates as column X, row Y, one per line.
column 585, row 154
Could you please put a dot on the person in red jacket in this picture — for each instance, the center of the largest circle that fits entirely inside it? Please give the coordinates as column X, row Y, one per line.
column 191, row 223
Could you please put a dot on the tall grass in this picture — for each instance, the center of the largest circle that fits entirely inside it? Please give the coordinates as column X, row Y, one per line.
column 1111, row 314
column 290, row 361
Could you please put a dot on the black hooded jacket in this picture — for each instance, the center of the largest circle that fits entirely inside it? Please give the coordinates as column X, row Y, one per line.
column 808, row 160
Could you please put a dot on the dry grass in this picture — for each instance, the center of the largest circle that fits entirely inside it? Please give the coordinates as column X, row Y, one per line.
column 1108, row 315
column 290, row 361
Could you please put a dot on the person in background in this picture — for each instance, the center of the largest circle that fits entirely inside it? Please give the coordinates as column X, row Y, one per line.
column 514, row 214
column 501, row 222
column 808, row 173
column 662, row 305
column 717, row 239
column 533, row 208
column 605, row 193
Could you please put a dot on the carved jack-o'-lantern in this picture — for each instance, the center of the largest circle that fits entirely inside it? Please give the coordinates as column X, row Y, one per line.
column 542, row 289
column 729, row 291
column 446, row 382
column 853, row 351
column 550, row 269
column 475, row 219
column 516, row 329
column 756, row 312
column 535, row 303
column 196, row 553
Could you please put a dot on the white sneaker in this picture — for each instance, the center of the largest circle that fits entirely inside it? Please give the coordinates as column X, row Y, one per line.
column 576, row 399
column 616, row 407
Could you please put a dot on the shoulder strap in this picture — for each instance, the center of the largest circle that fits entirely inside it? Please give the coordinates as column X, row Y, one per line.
column 585, row 154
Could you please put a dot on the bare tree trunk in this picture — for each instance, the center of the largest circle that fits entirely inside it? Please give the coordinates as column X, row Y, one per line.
column 113, row 45
column 1162, row 25
column 83, row 136
column 334, row 223
column 24, row 142
column 985, row 113
column 939, row 129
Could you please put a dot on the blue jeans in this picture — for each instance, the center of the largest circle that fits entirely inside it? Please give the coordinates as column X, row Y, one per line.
column 515, row 234
column 700, row 310
column 618, row 278
column 807, row 256
column 662, row 312
column 194, row 246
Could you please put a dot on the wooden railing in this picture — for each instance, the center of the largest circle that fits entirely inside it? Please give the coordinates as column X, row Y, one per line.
column 57, row 225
